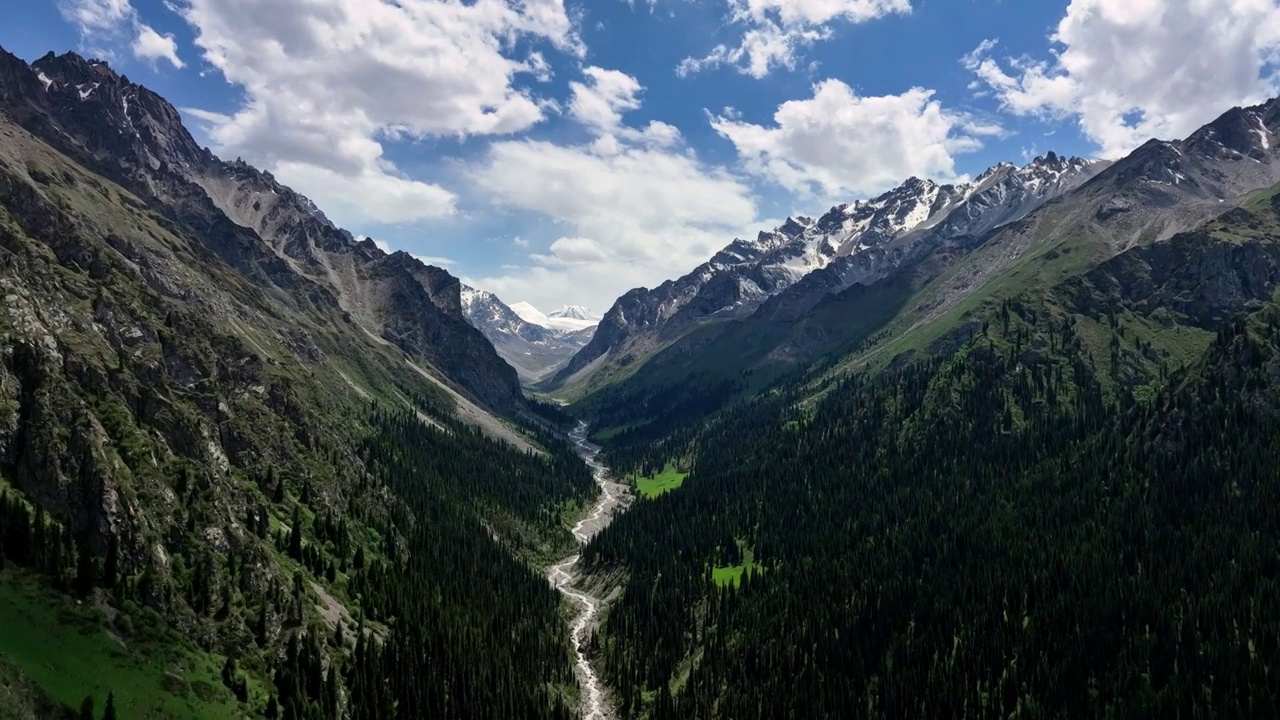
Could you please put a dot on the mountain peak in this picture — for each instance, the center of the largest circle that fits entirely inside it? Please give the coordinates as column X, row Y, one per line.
column 78, row 68
column 573, row 312
column 569, row 317
column 530, row 341
column 793, row 227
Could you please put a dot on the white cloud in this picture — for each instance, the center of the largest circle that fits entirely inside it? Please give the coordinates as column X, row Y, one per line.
column 762, row 48
column 96, row 15
column 777, row 30
column 600, row 103
column 151, row 45
column 327, row 82
column 574, row 251
column 633, row 217
column 1129, row 70
column 104, row 24
column 379, row 197
column 837, row 144
column 434, row 260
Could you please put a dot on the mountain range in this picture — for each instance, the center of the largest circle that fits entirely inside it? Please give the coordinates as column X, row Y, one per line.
column 533, row 343
column 1000, row 450
column 875, row 281
column 274, row 237
column 855, row 242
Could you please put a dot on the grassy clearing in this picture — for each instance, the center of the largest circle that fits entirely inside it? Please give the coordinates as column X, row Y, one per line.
column 63, row 649
column 726, row 575
column 666, row 481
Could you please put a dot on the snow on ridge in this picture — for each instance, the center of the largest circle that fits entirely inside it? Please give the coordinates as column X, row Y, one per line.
column 530, row 314
column 574, row 312
column 45, row 80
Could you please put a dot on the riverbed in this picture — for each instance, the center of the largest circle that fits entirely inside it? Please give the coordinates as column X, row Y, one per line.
column 614, row 498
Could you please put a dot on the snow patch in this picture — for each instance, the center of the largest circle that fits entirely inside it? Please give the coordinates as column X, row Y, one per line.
column 1264, row 135
column 45, row 80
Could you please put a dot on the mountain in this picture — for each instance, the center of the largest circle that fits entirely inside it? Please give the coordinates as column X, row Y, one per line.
column 859, row 241
column 533, row 348
column 265, row 230
column 1005, row 498
column 249, row 467
column 574, row 312
column 924, row 291
column 568, row 318
column 1011, row 466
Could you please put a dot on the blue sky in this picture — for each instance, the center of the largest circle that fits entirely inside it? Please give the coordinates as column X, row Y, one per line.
column 558, row 151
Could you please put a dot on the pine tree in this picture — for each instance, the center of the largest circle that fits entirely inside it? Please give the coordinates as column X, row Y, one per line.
column 109, row 712
column 84, row 569
column 295, row 534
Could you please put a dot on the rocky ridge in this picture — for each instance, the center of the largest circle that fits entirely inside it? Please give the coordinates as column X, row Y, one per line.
column 864, row 239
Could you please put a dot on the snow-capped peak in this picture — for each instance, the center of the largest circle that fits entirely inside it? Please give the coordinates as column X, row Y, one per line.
column 557, row 320
column 573, row 312
column 471, row 296
column 529, row 313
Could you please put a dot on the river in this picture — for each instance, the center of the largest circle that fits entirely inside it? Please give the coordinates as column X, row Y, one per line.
column 614, row 497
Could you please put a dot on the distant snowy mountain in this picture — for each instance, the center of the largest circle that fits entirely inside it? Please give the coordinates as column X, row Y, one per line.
column 858, row 241
column 574, row 312
column 569, row 317
column 533, row 343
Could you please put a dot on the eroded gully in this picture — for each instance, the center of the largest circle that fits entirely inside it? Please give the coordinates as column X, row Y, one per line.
column 564, row 575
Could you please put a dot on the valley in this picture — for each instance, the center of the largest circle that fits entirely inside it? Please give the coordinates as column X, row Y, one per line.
column 994, row 443
column 565, row 575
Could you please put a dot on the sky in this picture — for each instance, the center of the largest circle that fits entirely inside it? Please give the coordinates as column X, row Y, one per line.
column 564, row 151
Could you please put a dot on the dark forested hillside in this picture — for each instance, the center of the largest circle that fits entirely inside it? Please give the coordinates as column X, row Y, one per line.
column 230, row 487
column 1071, row 515
column 969, row 538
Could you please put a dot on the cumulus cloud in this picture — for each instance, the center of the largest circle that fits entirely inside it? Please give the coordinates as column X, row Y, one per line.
column 377, row 197
column 600, row 102
column 151, row 45
column 837, row 144
column 775, row 31
column 328, row 82
column 106, row 23
column 1129, row 70
column 634, row 216
column 574, row 251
